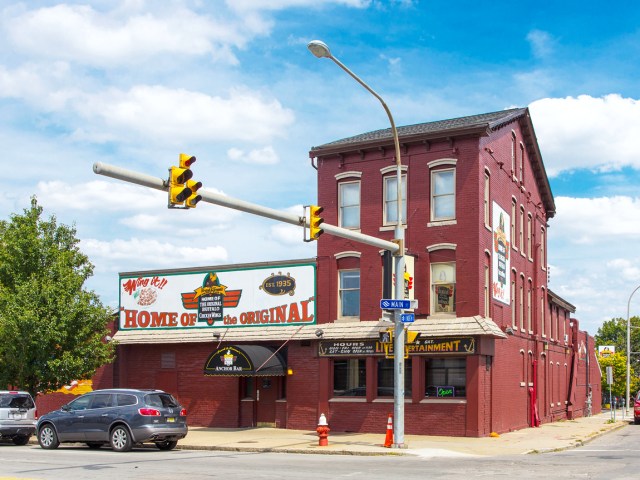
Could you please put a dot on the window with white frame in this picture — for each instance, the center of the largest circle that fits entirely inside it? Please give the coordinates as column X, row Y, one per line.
column 443, row 195
column 529, row 233
column 513, row 223
column 521, row 233
column 487, row 213
column 521, row 168
column 391, row 200
column 513, row 152
column 521, row 303
column 443, row 287
column 487, row 293
column 542, row 317
column 349, row 293
column 543, row 264
column 529, row 306
column 513, row 299
column 349, row 198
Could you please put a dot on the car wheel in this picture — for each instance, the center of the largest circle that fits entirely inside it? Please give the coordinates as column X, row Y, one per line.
column 636, row 420
column 20, row 440
column 94, row 445
column 48, row 438
column 167, row 445
column 121, row 439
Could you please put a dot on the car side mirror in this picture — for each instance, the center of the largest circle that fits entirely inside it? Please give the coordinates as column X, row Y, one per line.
column 66, row 408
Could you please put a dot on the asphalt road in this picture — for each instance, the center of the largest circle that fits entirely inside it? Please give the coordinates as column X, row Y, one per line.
column 613, row 456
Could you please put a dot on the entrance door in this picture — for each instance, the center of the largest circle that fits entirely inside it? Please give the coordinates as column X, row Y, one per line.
column 267, row 392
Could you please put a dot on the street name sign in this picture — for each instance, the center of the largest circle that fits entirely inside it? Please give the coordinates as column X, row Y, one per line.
column 407, row 317
column 392, row 304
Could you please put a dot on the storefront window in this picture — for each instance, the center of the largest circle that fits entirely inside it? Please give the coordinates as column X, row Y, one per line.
column 350, row 377
column 446, row 377
column 385, row 377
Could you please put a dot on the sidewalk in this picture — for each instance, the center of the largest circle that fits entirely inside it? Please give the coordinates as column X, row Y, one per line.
column 549, row 437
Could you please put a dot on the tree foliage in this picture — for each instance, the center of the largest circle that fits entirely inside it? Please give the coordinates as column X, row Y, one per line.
column 51, row 328
column 614, row 332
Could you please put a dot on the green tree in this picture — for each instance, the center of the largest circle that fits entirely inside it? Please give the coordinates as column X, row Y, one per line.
column 619, row 386
column 51, row 328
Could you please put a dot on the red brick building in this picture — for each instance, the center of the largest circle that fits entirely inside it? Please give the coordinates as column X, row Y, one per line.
column 497, row 350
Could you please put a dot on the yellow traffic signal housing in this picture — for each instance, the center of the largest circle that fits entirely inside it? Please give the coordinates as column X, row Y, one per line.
column 194, row 198
column 182, row 190
column 315, row 220
column 178, row 190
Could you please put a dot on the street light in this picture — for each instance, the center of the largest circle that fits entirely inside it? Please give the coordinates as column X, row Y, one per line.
column 629, row 348
column 321, row 50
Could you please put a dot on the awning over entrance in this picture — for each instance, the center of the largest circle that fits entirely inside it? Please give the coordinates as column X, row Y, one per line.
column 245, row 361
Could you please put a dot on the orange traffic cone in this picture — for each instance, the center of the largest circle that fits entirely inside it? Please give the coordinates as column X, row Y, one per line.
column 388, row 439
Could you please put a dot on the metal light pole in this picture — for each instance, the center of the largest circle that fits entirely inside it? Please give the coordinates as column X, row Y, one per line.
column 629, row 348
column 321, row 50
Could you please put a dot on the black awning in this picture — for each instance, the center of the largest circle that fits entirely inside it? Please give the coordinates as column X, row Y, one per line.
column 245, row 361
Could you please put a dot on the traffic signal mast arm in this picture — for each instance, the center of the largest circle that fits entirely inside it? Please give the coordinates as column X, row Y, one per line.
column 225, row 201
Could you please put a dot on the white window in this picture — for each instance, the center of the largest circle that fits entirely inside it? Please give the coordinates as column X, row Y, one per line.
column 543, row 263
column 349, row 198
column 487, row 221
column 443, row 287
column 349, row 293
column 513, row 152
column 487, row 294
column 391, row 200
column 521, row 305
column 443, row 195
column 542, row 319
column 521, row 168
column 529, row 232
column 521, row 233
column 529, row 306
column 513, row 299
column 513, row 223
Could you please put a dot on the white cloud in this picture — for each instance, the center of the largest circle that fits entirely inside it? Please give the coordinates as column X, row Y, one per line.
column 590, row 220
column 263, row 156
column 141, row 253
column 179, row 116
column 601, row 132
column 541, row 43
column 259, row 5
column 79, row 33
column 286, row 234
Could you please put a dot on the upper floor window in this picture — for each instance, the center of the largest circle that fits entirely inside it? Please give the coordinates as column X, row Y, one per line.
column 521, row 232
column 349, row 293
column 513, row 152
column 521, row 166
column 487, row 220
column 391, row 200
column 513, row 223
column 349, row 199
column 443, row 195
column 443, row 287
column 529, row 233
column 543, row 263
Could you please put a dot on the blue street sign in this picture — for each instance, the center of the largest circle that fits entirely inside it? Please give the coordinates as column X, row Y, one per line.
column 390, row 304
column 407, row 317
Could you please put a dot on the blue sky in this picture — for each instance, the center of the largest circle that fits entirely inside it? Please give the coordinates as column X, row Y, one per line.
column 134, row 83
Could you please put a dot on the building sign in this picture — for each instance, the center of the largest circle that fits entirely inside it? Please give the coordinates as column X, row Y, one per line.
column 426, row 346
column 501, row 289
column 244, row 360
column 606, row 350
column 261, row 296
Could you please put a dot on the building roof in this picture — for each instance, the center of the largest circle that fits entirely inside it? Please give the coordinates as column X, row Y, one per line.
column 473, row 125
column 454, row 126
column 431, row 327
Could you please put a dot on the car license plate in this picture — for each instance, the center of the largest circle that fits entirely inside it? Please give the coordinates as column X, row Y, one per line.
column 171, row 419
column 17, row 416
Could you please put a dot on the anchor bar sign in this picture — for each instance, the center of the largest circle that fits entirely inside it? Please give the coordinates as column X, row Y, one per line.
column 392, row 304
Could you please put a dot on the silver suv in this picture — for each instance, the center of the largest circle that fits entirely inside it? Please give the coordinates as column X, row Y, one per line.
column 118, row 417
column 18, row 416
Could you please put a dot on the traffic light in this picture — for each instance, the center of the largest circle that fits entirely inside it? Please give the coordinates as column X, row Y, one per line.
column 181, row 187
column 315, row 220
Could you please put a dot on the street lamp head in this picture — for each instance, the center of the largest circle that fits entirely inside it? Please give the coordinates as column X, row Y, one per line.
column 319, row 49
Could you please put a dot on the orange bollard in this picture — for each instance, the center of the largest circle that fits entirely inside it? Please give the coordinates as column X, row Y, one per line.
column 388, row 439
column 323, row 431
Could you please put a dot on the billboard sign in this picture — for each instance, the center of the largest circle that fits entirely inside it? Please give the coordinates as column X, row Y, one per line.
column 501, row 289
column 268, row 296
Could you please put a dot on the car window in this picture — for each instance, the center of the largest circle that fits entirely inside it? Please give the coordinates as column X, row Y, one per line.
column 101, row 400
column 13, row 400
column 80, row 403
column 160, row 400
column 123, row 399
